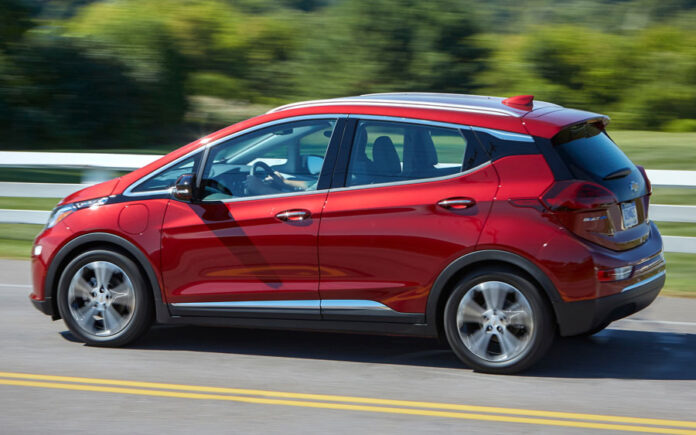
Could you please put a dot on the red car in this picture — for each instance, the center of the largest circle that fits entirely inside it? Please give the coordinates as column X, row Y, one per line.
column 494, row 223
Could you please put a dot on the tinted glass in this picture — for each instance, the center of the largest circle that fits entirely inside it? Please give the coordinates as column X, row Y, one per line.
column 385, row 152
column 166, row 179
column 277, row 159
column 590, row 154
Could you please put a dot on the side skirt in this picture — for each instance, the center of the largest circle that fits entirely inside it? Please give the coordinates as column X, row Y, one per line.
column 327, row 315
column 380, row 328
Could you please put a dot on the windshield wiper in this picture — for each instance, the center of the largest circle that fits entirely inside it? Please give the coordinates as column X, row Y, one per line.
column 618, row 174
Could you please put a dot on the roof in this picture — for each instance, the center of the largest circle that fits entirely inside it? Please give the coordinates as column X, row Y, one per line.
column 456, row 102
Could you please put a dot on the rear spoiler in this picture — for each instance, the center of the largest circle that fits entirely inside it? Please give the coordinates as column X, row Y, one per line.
column 547, row 123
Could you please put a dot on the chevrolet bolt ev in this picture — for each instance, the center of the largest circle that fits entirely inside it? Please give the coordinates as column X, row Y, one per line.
column 494, row 223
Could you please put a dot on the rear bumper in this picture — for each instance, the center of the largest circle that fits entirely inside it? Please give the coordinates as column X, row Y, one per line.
column 582, row 316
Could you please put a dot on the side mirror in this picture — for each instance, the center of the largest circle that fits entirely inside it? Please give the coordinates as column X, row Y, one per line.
column 314, row 164
column 183, row 188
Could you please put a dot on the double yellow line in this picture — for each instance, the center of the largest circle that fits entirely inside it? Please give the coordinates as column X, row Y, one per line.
column 347, row 403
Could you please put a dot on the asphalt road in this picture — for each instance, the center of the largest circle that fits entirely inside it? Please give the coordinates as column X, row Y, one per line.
column 639, row 375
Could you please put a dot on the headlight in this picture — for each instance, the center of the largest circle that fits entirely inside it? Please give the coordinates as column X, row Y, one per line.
column 60, row 213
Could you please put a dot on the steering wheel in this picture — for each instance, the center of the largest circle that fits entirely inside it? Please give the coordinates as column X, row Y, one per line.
column 259, row 166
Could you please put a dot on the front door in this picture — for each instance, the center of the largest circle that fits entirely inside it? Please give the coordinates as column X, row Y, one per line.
column 248, row 245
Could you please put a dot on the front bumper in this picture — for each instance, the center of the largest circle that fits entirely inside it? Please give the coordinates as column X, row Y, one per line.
column 44, row 306
column 576, row 318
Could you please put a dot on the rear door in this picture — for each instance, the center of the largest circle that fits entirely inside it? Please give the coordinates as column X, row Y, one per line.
column 411, row 198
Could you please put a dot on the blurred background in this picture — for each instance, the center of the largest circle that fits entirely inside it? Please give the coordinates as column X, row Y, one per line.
column 147, row 76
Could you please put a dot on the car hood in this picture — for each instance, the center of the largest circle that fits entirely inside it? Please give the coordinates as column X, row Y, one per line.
column 91, row 192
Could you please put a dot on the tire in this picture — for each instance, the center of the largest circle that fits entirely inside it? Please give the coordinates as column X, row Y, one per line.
column 496, row 321
column 104, row 300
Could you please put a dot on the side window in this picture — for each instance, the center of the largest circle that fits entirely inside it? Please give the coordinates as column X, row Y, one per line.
column 385, row 152
column 166, row 179
column 279, row 159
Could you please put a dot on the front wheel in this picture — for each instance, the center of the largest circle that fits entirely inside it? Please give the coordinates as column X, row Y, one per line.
column 497, row 322
column 103, row 299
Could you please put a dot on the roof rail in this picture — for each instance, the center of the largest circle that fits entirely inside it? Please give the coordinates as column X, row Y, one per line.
column 399, row 103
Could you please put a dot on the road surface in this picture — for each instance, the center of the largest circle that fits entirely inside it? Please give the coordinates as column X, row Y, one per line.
column 639, row 375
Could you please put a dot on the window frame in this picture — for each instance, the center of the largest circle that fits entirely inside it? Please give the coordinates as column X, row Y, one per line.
column 324, row 176
column 339, row 181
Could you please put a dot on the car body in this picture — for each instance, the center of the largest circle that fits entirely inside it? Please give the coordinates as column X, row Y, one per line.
column 402, row 213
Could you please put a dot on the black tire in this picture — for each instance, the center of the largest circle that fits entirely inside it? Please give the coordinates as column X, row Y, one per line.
column 139, row 315
column 537, row 336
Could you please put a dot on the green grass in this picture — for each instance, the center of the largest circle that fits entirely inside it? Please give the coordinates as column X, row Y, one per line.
column 658, row 150
column 16, row 240
column 28, row 203
column 677, row 229
column 673, row 196
column 681, row 275
column 654, row 150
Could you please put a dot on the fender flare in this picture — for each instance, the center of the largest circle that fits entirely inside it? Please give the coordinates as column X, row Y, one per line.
column 432, row 315
column 54, row 271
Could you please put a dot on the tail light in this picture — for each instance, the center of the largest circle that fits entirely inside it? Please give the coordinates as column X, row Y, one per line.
column 576, row 196
column 648, row 185
column 581, row 207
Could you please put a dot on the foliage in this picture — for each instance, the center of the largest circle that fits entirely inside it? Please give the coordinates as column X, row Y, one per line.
column 128, row 72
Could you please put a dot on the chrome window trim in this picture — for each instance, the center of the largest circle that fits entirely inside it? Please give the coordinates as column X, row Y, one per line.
column 505, row 135
column 268, row 196
column 644, row 282
column 501, row 134
column 208, row 145
column 404, row 120
column 416, row 181
column 410, row 121
column 312, row 304
column 397, row 103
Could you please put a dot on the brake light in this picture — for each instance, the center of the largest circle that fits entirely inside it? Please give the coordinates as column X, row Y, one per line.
column 648, row 185
column 576, row 195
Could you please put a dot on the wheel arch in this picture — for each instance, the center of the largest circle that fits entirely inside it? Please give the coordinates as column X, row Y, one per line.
column 100, row 240
column 444, row 283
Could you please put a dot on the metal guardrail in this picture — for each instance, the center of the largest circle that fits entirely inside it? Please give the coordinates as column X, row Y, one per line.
column 101, row 164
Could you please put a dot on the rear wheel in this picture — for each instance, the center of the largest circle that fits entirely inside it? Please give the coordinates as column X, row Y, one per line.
column 103, row 299
column 497, row 322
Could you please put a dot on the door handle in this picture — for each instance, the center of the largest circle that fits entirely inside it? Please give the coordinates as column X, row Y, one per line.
column 294, row 215
column 457, row 203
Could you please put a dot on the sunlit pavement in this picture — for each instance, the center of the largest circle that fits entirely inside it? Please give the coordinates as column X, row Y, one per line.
column 639, row 375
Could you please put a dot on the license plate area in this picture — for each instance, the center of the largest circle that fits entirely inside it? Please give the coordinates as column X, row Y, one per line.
column 629, row 214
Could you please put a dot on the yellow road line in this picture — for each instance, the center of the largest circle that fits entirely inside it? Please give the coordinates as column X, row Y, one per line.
column 357, row 400
column 348, row 407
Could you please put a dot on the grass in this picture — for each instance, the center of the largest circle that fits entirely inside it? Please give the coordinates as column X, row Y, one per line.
column 678, row 229
column 16, row 242
column 658, row 150
column 28, row 203
column 654, row 150
column 663, row 195
column 681, row 269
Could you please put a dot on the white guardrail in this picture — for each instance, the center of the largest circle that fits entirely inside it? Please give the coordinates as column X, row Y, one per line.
column 98, row 165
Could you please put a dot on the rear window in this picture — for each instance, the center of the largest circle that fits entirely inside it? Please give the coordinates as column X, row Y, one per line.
column 590, row 154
